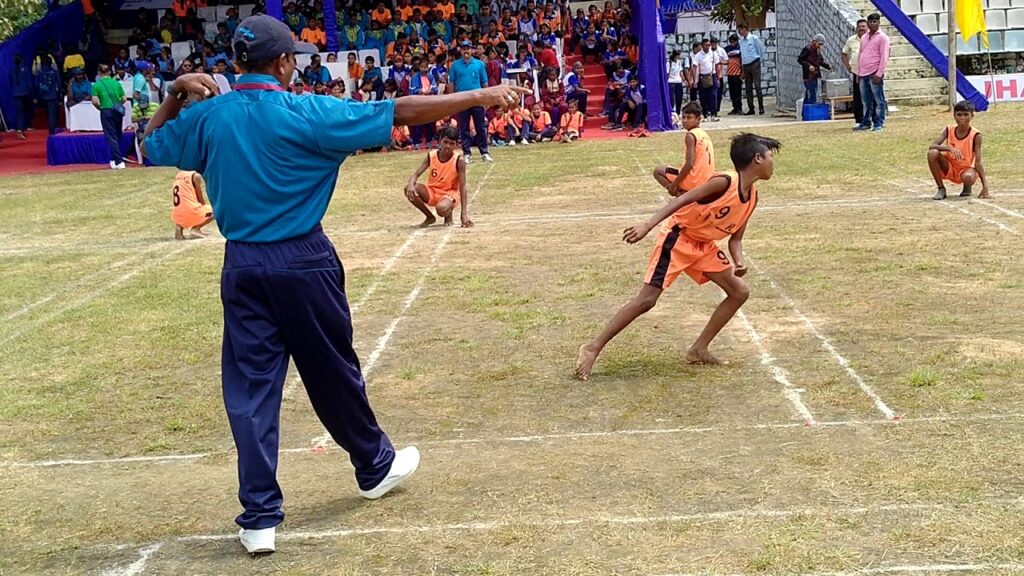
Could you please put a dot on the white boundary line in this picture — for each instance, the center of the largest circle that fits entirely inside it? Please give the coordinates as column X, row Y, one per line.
column 698, row 517
column 827, row 345
column 555, row 436
column 791, row 392
column 137, row 567
column 96, row 293
column 320, row 442
column 905, row 569
column 79, row 282
column 991, row 204
column 954, row 206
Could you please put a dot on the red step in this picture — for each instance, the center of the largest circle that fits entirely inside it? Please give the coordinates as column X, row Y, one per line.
column 594, row 123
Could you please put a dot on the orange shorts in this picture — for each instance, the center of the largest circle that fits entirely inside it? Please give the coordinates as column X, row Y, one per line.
column 191, row 218
column 675, row 253
column 438, row 195
column 955, row 174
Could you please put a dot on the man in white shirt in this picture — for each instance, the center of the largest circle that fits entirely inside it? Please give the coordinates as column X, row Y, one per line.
column 705, row 70
column 850, row 52
column 721, row 65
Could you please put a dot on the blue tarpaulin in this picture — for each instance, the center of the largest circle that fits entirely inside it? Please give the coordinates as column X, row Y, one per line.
column 647, row 28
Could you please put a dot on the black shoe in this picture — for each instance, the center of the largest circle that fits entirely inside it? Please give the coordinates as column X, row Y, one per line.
column 940, row 194
column 735, row 113
column 761, row 112
column 751, row 113
column 966, row 193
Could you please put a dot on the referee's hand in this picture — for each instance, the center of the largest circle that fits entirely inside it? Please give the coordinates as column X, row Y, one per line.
column 201, row 85
column 504, row 97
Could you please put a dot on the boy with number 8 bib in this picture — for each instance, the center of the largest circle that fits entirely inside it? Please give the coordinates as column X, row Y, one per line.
column 710, row 212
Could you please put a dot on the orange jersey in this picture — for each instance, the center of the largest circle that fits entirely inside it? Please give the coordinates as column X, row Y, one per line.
column 571, row 122
column 406, row 12
column 447, row 10
column 718, row 218
column 188, row 211
column 703, row 161
column 443, row 175
column 966, row 147
column 539, row 124
column 498, row 126
column 381, row 16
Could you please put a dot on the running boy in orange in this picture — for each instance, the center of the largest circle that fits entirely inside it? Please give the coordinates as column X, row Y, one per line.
column 956, row 154
column 190, row 211
column 446, row 184
column 700, row 157
column 570, row 126
column 697, row 219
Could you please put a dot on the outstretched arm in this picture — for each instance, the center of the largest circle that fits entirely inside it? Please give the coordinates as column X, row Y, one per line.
column 466, row 221
column 714, row 186
column 416, row 110
column 691, row 152
column 979, row 167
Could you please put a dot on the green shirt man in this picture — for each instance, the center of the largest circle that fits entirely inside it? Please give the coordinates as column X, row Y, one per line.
column 107, row 91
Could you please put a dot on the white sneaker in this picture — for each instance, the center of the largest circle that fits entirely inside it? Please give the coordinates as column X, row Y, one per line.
column 119, row 166
column 258, row 541
column 113, row 165
column 511, row 142
column 468, row 158
column 487, row 158
column 406, row 461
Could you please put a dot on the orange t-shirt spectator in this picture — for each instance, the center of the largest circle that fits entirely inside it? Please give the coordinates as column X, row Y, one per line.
column 381, row 15
column 314, row 35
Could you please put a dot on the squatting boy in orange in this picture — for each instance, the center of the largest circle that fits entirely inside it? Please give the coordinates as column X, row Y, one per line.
column 956, row 154
column 191, row 210
column 446, row 184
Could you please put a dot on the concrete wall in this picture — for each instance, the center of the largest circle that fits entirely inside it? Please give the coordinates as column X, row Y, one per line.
column 797, row 22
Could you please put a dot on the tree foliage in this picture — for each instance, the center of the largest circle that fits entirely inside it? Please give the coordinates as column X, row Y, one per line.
column 751, row 12
column 16, row 15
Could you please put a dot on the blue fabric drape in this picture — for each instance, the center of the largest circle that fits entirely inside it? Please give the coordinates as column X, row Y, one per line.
column 84, row 148
column 647, row 28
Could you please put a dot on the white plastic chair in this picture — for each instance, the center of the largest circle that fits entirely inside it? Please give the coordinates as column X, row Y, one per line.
column 1017, row 3
column 933, row 6
column 376, row 57
column 222, row 12
column 998, row 3
column 301, row 61
column 245, row 10
column 1015, row 19
column 995, row 19
column 927, row 23
column 995, row 41
column 207, row 13
column 910, row 7
column 209, row 30
column 180, row 51
column 943, row 24
column 1014, row 41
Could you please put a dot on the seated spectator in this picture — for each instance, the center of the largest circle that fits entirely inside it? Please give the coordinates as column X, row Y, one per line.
column 165, row 64
column 319, row 88
column 417, row 24
column 594, row 15
column 187, row 67
column 523, row 60
column 526, row 24
column 391, row 90
column 222, row 41
column 551, row 18
column 487, row 21
column 232, row 21
column 494, row 36
column 633, row 107
column 352, row 37
column 122, row 61
column 614, row 57
column 446, row 8
column 552, row 94
column 400, row 139
column 616, row 89
column 630, row 51
column 522, row 119
column 376, row 39
column 381, row 15
column 145, row 83
column 72, row 61
column 497, row 129
column 79, row 87
column 547, row 36
column 400, row 73
column 166, row 33
column 211, row 56
column 404, row 9
column 546, row 56
column 592, row 46
column 508, row 24
column 580, row 25
column 570, row 127
column 367, row 92
column 513, row 130
column 222, row 68
column 338, row 89
column 462, row 20
column 417, row 47
column 294, row 19
column 314, row 35
column 541, row 127
column 608, row 33
column 355, row 71
column 315, row 72
column 574, row 90
column 397, row 28
column 373, row 74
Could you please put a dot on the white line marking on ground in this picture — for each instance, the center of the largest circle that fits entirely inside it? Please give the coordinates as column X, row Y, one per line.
column 952, row 205
column 388, row 265
column 827, row 345
column 907, row 569
column 169, row 458
column 791, row 392
column 79, row 282
column 321, row 441
column 96, row 293
column 488, row 525
column 137, row 567
column 991, row 204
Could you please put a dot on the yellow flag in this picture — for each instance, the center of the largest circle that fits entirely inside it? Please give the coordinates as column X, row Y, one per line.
column 970, row 18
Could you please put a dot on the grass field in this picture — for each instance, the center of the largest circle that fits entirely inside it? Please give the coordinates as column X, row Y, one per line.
column 894, row 320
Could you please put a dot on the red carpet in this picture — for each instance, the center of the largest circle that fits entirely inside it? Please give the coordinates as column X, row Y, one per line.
column 29, row 156
column 595, row 81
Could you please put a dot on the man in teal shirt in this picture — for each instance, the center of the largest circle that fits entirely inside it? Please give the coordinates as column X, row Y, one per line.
column 467, row 74
column 282, row 286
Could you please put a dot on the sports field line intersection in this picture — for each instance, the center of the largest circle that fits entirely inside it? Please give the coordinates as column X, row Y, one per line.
column 953, row 205
column 320, row 442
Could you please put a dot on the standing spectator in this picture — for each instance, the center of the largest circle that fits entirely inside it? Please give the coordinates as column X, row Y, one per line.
column 468, row 74
column 552, row 95
column 871, row 64
column 850, row 52
column 751, row 53
column 721, row 64
column 222, row 41
column 675, row 80
column 693, row 79
column 47, row 90
column 811, row 60
column 546, row 56
column 423, row 85
column 108, row 95
column 79, row 88
column 705, row 69
column 493, row 66
column 22, row 88
column 574, row 90
column 734, row 73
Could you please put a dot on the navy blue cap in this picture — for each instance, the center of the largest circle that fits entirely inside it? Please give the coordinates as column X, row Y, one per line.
column 262, row 38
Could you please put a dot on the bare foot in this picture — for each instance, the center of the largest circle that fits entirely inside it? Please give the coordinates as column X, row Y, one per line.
column 585, row 362
column 448, row 221
column 196, row 232
column 984, row 196
column 178, row 235
column 694, row 356
column 428, row 221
